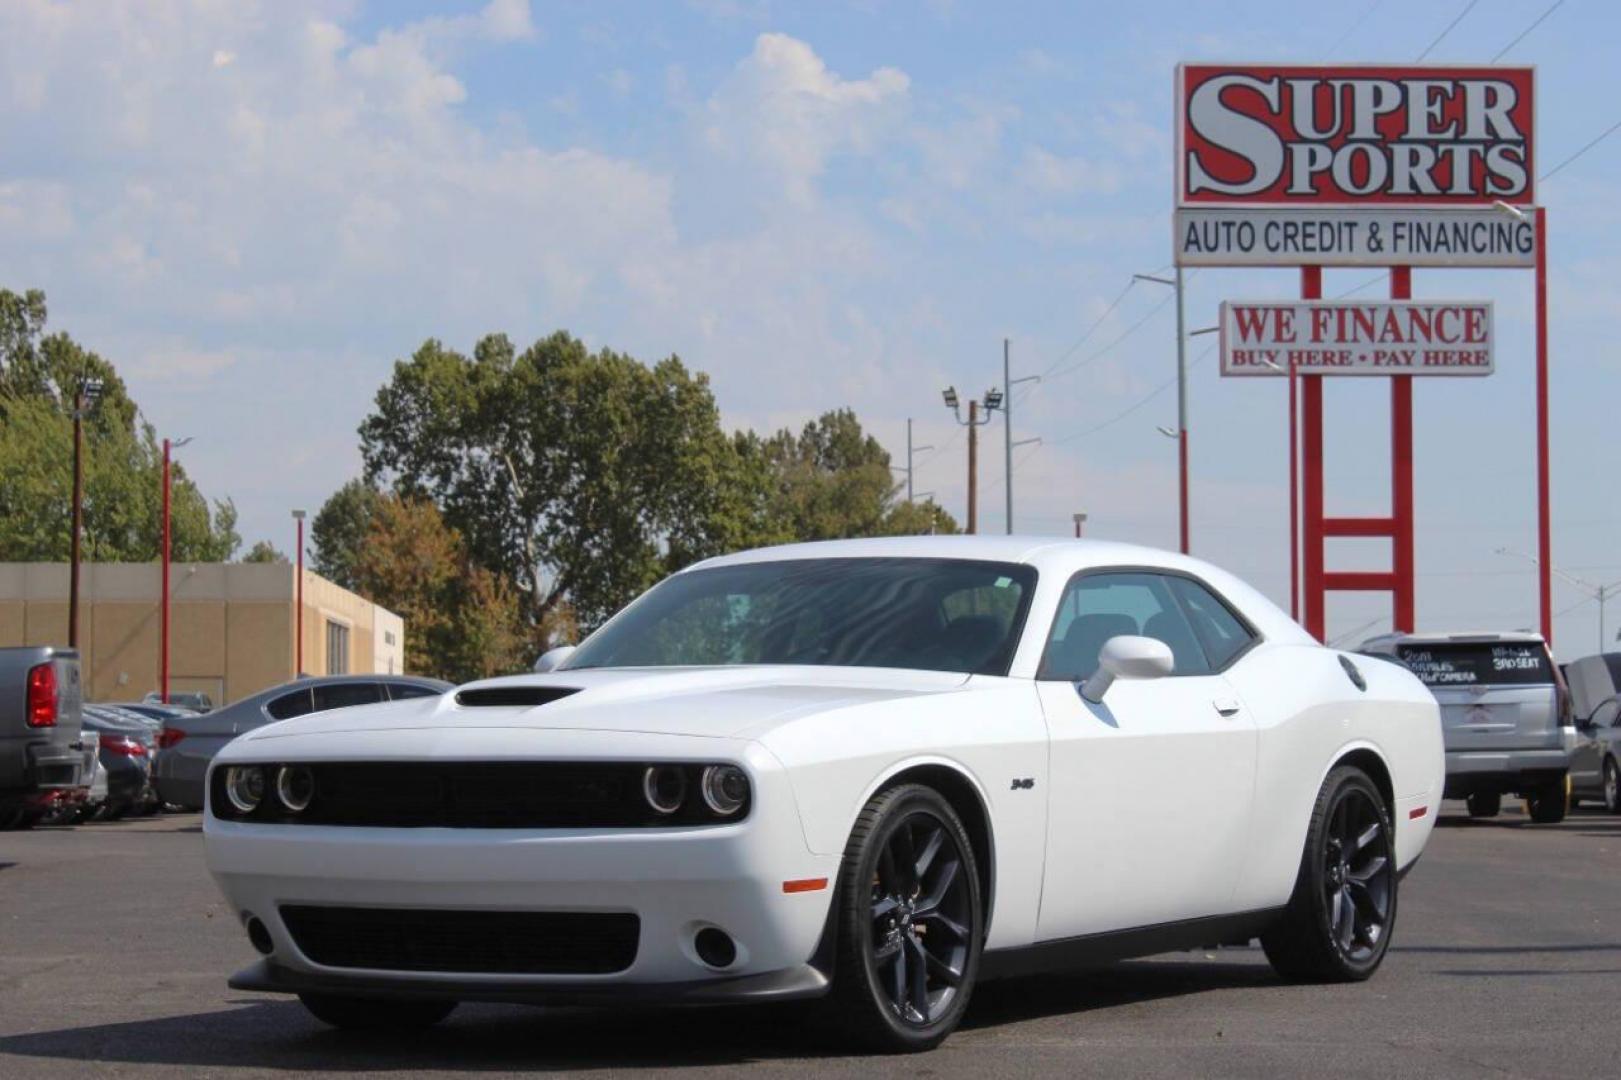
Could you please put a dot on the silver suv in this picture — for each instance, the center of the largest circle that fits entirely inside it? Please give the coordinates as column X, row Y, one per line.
column 1505, row 714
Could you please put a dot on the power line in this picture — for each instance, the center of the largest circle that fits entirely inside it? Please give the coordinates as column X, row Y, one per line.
column 1611, row 130
column 1354, row 27
column 1132, row 329
column 1467, row 8
column 1553, row 7
column 1091, row 329
column 1138, row 404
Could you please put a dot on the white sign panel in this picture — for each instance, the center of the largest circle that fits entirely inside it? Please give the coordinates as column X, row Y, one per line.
column 1334, row 337
column 1338, row 237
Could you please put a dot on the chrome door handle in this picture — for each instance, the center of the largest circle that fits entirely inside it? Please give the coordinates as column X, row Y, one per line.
column 1226, row 706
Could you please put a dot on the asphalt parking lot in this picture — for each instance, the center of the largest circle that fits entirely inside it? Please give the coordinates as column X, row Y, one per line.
column 114, row 948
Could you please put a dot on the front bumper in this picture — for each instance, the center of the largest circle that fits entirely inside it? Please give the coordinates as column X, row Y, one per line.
column 803, row 981
column 677, row 881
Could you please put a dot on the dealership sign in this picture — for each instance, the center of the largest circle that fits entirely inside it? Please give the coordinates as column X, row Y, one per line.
column 1333, row 337
column 1348, row 165
column 1282, row 135
column 1333, row 236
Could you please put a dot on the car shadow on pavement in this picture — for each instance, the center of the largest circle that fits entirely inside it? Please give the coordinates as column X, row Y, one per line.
column 279, row 1034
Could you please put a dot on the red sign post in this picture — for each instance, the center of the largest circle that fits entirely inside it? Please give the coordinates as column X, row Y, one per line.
column 1362, row 165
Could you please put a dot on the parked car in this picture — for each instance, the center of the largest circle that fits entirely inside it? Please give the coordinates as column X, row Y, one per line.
column 1595, row 763
column 191, row 699
column 1505, row 711
column 880, row 770
column 187, row 744
column 126, row 755
column 153, row 711
column 42, row 763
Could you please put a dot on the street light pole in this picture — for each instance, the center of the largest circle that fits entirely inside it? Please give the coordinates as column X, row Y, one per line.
column 993, row 400
column 910, row 449
column 1007, row 429
column 163, row 605
column 84, row 399
column 298, row 600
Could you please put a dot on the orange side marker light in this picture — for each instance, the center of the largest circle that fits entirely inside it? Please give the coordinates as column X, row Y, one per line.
column 814, row 884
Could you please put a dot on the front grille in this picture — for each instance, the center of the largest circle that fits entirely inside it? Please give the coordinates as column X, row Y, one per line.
column 478, row 795
column 469, row 942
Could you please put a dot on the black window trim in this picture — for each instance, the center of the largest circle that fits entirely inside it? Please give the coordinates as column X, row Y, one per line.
column 1256, row 637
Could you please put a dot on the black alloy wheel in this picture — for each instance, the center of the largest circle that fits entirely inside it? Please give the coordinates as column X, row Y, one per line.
column 1338, row 923
column 909, row 922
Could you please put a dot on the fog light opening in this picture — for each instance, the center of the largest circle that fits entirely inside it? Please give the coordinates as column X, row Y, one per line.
column 259, row 936
column 715, row 947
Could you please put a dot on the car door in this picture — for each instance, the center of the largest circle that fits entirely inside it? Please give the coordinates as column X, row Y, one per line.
column 1150, row 790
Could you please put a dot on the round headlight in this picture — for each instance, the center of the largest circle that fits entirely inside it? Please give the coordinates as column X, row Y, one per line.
column 665, row 787
column 295, row 787
column 245, row 787
column 726, row 788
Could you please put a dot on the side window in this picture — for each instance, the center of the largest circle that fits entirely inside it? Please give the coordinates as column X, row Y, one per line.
column 1606, row 714
column 399, row 691
column 343, row 695
column 1097, row 607
column 290, row 705
column 1219, row 631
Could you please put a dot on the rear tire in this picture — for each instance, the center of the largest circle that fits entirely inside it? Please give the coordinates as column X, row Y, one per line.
column 1485, row 804
column 375, row 1014
column 910, row 923
column 1547, row 805
column 1338, row 923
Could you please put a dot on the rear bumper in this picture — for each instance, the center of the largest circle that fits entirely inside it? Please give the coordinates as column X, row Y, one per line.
column 803, row 981
column 1503, row 772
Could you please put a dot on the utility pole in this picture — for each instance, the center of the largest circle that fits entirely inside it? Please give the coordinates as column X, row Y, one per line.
column 1602, row 593
column 84, row 399
column 1181, row 432
column 1007, row 428
column 993, row 401
column 910, row 449
column 163, row 604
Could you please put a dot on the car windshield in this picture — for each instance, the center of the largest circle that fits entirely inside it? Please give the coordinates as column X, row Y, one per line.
column 927, row 614
column 1479, row 663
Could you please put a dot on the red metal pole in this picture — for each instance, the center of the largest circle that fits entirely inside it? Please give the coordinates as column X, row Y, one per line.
column 163, row 619
column 1401, row 475
column 1309, row 488
column 1544, row 494
column 298, row 661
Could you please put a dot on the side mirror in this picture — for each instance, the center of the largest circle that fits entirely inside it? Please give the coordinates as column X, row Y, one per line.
column 1128, row 657
column 552, row 659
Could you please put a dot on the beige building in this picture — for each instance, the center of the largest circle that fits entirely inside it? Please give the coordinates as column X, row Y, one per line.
column 231, row 625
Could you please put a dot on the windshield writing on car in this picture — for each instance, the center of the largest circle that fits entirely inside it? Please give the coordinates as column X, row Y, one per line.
column 1479, row 664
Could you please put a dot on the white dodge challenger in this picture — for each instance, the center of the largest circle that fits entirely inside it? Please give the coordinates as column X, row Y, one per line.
column 870, row 771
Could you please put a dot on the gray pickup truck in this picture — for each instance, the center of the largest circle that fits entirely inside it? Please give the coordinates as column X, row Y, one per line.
column 42, row 760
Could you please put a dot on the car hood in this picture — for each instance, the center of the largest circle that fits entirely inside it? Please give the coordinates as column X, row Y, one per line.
column 718, row 702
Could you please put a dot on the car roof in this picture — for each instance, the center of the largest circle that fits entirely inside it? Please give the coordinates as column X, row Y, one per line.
column 1515, row 637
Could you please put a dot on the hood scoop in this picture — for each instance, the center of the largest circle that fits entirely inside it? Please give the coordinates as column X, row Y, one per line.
column 513, row 696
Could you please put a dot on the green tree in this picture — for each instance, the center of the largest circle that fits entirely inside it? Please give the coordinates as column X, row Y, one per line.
column 39, row 379
column 339, row 530
column 833, row 481
column 581, row 477
column 461, row 621
column 264, row 552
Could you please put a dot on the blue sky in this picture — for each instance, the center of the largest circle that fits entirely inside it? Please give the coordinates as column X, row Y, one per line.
column 254, row 209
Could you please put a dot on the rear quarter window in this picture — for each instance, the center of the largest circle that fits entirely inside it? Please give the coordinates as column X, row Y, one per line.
column 1479, row 663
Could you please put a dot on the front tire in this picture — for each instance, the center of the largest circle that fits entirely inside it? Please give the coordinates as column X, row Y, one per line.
column 910, row 923
column 1337, row 925
column 375, row 1014
column 1485, row 804
column 1612, row 786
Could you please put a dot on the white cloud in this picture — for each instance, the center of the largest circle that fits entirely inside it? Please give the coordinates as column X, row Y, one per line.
column 784, row 111
column 1045, row 171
